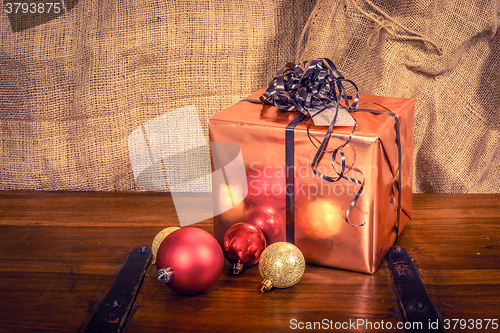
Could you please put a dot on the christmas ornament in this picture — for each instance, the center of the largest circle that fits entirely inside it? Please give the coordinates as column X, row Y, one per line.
column 159, row 238
column 189, row 260
column 281, row 265
column 269, row 219
column 320, row 219
column 243, row 245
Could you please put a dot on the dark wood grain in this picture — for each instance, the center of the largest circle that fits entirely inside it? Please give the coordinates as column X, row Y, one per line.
column 61, row 251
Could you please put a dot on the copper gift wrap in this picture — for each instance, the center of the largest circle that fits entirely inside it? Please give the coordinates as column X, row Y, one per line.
column 320, row 229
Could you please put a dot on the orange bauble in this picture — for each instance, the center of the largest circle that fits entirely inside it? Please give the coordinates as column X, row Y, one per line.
column 320, row 219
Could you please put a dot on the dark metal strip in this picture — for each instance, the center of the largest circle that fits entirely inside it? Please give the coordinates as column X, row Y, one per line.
column 414, row 302
column 114, row 311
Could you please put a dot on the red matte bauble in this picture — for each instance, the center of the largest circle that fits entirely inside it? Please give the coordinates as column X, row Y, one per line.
column 243, row 244
column 193, row 259
column 269, row 219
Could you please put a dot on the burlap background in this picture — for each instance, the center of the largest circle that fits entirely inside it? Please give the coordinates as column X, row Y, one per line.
column 73, row 89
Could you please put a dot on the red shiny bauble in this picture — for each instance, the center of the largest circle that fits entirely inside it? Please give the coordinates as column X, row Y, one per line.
column 243, row 244
column 269, row 219
column 189, row 260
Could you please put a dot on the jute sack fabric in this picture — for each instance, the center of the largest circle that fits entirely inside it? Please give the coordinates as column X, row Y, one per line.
column 446, row 55
column 74, row 88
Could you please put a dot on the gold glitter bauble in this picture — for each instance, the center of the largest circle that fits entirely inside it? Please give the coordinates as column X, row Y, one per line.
column 159, row 238
column 281, row 265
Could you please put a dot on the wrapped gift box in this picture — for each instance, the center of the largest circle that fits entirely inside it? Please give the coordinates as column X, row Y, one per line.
column 320, row 229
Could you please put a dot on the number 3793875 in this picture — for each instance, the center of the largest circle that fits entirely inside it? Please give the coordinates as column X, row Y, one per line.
column 33, row 7
column 477, row 324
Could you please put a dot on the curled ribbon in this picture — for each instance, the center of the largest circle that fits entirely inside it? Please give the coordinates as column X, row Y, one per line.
column 312, row 91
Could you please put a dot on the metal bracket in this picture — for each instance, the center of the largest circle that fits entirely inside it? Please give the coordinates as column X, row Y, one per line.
column 414, row 302
column 114, row 311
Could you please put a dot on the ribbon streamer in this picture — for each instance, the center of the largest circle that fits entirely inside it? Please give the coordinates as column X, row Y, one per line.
column 398, row 143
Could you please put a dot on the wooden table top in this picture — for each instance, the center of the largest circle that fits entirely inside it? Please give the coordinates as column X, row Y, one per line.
column 61, row 251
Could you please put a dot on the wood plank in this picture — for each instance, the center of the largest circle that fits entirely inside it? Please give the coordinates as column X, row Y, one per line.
column 454, row 239
column 87, row 208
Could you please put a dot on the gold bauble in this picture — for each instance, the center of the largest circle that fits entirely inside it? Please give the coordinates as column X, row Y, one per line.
column 159, row 238
column 281, row 265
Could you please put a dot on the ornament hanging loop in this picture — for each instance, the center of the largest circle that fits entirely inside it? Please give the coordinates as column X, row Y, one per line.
column 237, row 268
column 266, row 285
column 165, row 275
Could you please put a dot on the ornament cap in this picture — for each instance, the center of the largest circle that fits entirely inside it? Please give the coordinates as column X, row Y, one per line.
column 165, row 275
column 266, row 285
column 237, row 268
